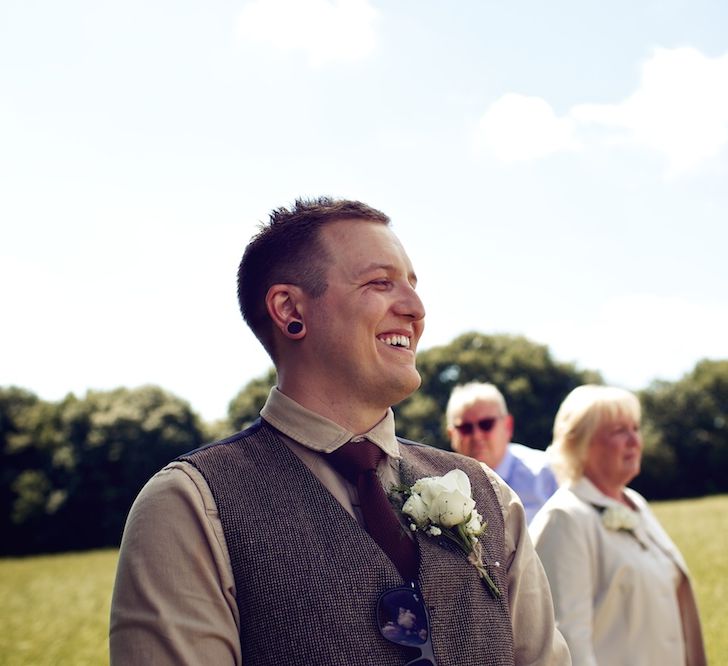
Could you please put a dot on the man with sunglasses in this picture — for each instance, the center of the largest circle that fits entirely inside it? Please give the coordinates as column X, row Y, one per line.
column 479, row 426
column 279, row 545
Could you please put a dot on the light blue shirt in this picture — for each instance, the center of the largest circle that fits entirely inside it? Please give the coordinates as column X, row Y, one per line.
column 526, row 470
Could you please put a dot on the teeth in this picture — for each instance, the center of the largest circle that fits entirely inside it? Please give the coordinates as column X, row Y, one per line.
column 396, row 341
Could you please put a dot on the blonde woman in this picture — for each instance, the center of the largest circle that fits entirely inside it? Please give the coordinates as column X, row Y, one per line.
column 621, row 589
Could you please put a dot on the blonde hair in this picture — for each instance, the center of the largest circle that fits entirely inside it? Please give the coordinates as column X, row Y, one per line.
column 580, row 415
column 465, row 396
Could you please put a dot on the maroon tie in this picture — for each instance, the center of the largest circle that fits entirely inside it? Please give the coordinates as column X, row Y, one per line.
column 357, row 462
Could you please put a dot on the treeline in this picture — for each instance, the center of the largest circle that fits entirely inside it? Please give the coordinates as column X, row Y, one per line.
column 71, row 469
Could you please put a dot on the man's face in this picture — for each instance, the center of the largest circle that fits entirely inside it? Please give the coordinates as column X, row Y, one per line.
column 470, row 439
column 362, row 333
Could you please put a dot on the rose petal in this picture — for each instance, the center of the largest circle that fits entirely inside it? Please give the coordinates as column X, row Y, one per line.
column 416, row 509
column 450, row 508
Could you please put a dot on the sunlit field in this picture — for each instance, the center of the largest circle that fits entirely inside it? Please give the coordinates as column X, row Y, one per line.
column 700, row 529
column 54, row 609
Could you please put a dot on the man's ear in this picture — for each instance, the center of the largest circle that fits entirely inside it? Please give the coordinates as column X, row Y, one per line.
column 284, row 304
column 450, row 432
column 509, row 425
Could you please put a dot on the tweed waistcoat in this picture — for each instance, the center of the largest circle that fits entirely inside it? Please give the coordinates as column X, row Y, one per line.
column 308, row 576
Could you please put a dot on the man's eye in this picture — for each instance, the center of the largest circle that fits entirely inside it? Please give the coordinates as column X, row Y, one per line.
column 381, row 283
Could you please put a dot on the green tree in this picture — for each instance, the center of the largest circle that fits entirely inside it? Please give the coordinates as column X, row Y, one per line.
column 29, row 435
column 14, row 402
column 686, row 434
column 118, row 440
column 245, row 407
column 84, row 461
column 532, row 382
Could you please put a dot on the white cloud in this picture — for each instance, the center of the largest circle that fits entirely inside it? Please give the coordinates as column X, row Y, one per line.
column 636, row 338
column 517, row 128
column 326, row 30
column 679, row 111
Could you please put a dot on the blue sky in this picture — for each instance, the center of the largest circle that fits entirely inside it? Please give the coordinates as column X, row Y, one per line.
column 556, row 170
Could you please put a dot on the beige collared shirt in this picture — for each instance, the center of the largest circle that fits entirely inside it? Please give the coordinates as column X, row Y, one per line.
column 174, row 600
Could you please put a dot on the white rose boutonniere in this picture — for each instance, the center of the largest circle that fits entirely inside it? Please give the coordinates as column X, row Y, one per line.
column 620, row 519
column 443, row 506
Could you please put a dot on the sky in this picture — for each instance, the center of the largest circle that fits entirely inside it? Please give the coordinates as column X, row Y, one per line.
column 556, row 170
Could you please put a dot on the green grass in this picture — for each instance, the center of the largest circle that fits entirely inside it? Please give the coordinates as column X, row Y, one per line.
column 54, row 610
column 700, row 529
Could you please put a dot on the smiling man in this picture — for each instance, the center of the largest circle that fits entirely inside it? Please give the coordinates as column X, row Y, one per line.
column 279, row 545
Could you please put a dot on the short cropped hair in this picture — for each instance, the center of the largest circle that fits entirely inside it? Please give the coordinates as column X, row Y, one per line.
column 465, row 396
column 580, row 415
column 288, row 250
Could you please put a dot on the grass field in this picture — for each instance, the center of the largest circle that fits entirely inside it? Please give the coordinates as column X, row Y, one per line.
column 54, row 609
column 700, row 530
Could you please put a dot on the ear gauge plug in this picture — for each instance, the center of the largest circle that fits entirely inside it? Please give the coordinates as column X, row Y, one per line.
column 294, row 327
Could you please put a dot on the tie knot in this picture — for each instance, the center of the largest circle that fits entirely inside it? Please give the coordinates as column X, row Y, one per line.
column 355, row 458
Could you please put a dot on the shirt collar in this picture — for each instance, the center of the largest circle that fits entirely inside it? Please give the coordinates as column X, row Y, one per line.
column 320, row 434
column 587, row 491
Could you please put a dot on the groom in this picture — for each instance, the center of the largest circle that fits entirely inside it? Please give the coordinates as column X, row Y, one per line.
column 276, row 546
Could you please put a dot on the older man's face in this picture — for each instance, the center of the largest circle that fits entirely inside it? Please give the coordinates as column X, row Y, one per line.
column 482, row 432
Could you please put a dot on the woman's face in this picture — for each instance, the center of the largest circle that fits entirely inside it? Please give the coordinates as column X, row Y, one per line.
column 614, row 455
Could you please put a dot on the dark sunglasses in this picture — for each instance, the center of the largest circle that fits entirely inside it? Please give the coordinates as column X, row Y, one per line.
column 486, row 425
column 402, row 619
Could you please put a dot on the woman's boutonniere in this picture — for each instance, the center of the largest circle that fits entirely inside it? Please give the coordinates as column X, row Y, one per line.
column 443, row 506
column 620, row 519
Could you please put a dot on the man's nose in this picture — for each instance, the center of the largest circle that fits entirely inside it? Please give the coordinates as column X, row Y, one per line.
column 479, row 433
column 410, row 304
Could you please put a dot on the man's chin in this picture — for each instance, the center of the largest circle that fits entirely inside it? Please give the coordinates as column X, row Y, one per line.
column 416, row 382
column 405, row 386
column 483, row 457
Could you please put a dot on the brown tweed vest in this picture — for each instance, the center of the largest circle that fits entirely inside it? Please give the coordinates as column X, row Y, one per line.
column 308, row 576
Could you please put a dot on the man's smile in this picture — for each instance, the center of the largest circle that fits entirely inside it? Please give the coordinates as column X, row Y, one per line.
column 395, row 340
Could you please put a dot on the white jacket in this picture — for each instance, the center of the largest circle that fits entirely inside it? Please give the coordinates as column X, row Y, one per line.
column 621, row 598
